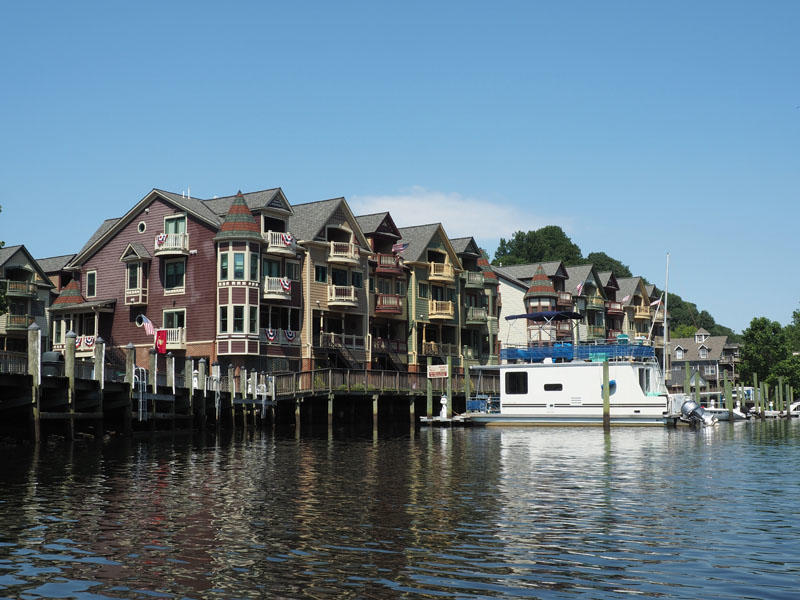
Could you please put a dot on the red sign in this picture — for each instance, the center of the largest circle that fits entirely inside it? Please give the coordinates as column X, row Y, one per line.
column 161, row 341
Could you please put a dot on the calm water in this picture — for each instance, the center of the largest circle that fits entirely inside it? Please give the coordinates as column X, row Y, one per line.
column 538, row 513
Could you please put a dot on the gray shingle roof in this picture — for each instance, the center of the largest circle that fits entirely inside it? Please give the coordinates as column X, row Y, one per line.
column 577, row 275
column 195, row 206
column 54, row 264
column 254, row 200
column 417, row 237
column 628, row 286
column 501, row 273
column 463, row 245
column 526, row 272
column 7, row 252
column 370, row 223
column 607, row 279
column 714, row 343
column 309, row 219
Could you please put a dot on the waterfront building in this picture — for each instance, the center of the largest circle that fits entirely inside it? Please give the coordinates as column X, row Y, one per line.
column 707, row 357
column 635, row 301
column 614, row 312
column 388, row 302
column 588, row 300
column 335, row 322
column 432, row 295
column 27, row 297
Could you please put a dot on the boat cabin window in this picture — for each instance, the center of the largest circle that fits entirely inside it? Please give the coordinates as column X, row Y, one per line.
column 644, row 380
column 517, row 382
column 553, row 387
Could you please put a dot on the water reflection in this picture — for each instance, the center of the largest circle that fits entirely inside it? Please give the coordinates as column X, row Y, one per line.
column 459, row 513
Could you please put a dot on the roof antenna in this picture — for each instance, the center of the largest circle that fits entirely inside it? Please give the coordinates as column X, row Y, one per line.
column 189, row 191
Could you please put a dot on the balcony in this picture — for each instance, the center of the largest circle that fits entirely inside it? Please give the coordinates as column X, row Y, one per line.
column 279, row 337
column 472, row 279
column 20, row 289
column 135, row 296
column 440, row 309
column 563, row 329
column 564, row 299
column 596, row 332
column 614, row 308
column 342, row 295
column 171, row 244
column 595, row 303
column 642, row 312
column 389, row 346
column 280, row 242
column 176, row 338
column 439, row 349
column 476, row 315
column 277, row 288
column 388, row 263
column 343, row 253
column 388, row 304
column 14, row 323
column 441, row 272
column 613, row 333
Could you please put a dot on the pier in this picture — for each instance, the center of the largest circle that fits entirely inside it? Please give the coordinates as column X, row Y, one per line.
column 49, row 394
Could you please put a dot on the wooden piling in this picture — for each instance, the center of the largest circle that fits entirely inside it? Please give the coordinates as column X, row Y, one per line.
column 606, row 397
column 130, row 365
column 69, row 371
column 375, row 410
column 330, row 409
column 100, row 377
column 35, row 371
column 728, row 395
column 449, row 387
column 429, row 391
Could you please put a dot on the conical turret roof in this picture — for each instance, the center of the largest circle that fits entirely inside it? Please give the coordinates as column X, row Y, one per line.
column 239, row 223
column 70, row 294
column 541, row 286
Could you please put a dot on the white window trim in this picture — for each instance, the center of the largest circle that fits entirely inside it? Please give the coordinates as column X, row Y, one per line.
column 164, row 316
column 232, row 319
column 88, row 273
column 174, row 216
column 174, row 291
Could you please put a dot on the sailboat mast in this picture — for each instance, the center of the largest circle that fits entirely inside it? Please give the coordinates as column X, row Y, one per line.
column 666, row 329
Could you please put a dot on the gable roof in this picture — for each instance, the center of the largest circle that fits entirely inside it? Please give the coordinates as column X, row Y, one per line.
column 309, row 220
column 7, row 253
column 608, row 280
column 466, row 245
column 54, row 264
column 629, row 286
column 715, row 345
column 419, row 237
column 579, row 275
column 71, row 294
column 503, row 275
column 135, row 251
column 372, row 224
column 526, row 272
column 273, row 198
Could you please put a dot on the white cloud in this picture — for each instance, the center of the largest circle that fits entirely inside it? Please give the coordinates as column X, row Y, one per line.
column 460, row 215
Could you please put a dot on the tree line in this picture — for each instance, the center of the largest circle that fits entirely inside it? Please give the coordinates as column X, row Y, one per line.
column 550, row 243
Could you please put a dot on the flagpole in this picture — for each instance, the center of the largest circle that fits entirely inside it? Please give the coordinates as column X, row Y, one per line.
column 666, row 328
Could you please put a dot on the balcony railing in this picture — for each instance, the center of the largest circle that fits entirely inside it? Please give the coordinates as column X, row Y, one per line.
column 540, row 306
column 20, row 288
column 176, row 338
column 277, row 288
column 439, row 349
column 440, row 309
column 477, row 314
column 342, row 295
column 472, row 279
column 279, row 337
column 135, row 296
column 385, row 345
column 563, row 329
column 343, row 252
column 596, row 331
column 388, row 303
column 641, row 312
column 387, row 263
column 614, row 308
column 280, row 242
column 331, row 340
column 595, row 303
column 441, row 272
column 9, row 322
column 171, row 243
column 564, row 299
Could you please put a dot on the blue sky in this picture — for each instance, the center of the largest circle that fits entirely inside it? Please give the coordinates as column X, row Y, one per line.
column 640, row 129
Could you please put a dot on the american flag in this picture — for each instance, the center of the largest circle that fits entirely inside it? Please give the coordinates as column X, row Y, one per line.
column 149, row 329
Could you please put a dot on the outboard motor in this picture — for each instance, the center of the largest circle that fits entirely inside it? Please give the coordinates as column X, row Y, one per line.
column 694, row 413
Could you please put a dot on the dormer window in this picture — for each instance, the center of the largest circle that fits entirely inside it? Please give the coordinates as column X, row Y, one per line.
column 273, row 224
column 703, row 352
column 678, row 353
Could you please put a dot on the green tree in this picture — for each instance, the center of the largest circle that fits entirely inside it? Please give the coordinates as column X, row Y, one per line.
column 682, row 331
column 789, row 369
column 793, row 332
column 542, row 245
column 603, row 262
column 763, row 347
